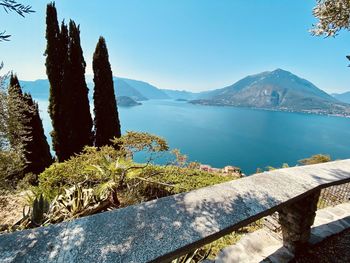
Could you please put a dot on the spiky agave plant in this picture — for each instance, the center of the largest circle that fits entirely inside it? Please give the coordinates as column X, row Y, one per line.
column 35, row 216
column 77, row 201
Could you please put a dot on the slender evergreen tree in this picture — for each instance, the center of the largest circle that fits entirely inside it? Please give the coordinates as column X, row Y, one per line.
column 16, row 114
column 106, row 119
column 26, row 133
column 56, row 52
column 37, row 150
column 14, row 135
column 77, row 110
column 69, row 105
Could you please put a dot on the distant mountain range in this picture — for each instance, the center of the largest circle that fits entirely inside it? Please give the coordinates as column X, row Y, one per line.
column 343, row 97
column 274, row 90
column 135, row 89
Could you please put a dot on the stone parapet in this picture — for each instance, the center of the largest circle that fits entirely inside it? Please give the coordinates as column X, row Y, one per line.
column 166, row 228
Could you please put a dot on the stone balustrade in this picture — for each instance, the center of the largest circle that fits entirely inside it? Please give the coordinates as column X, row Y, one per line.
column 164, row 229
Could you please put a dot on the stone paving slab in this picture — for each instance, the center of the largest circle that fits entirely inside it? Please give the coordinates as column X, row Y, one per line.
column 329, row 221
column 163, row 229
column 262, row 246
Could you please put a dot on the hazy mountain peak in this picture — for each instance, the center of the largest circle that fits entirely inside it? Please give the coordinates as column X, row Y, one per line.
column 277, row 89
column 281, row 71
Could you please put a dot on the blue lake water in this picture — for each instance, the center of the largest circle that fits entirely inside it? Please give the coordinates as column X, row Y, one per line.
column 242, row 137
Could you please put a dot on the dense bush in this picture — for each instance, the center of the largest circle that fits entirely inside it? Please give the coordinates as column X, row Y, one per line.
column 318, row 158
column 73, row 171
column 107, row 169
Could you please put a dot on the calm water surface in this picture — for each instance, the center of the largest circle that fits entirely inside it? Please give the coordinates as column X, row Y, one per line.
column 242, row 137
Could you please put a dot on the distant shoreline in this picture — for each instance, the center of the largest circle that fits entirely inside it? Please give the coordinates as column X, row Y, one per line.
column 277, row 110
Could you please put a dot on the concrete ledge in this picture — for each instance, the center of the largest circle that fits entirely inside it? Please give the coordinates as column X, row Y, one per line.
column 163, row 229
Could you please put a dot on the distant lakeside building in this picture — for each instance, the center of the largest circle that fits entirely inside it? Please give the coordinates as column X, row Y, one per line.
column 227, row 170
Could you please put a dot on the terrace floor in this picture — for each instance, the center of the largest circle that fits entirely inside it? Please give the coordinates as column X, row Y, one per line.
column 331, row 230
column 333, row 249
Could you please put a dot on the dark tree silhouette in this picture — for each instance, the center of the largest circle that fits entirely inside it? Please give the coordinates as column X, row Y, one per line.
column 77, row 117
column 106, row 120
column 37, row 150
column 56, row 51
column 69, row 105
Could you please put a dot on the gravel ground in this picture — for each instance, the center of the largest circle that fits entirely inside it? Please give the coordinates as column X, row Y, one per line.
column 331, row 250
column 11, row 207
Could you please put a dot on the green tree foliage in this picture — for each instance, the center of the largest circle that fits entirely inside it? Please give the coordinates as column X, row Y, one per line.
column 132, row 142
column 11, row 156
column 68, row 104
column 106, row 121
column 332, row 15
column 17, row 109
column 318, row 158
column 13, row 6
column 24, row 132
column 37, row 150
column 16, row 134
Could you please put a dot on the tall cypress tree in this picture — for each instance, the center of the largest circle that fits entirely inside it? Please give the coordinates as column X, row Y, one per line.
column 64, row 106
column 55, row 57
column 69, row 105
column 77, row 117
column 37, row 150
column 106, row 119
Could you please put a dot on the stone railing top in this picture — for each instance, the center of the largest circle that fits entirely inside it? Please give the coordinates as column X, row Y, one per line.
column 163, row 229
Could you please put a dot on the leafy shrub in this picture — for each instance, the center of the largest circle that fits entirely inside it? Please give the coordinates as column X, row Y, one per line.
column 109, row 169
column 318, row 158
column 73, row 171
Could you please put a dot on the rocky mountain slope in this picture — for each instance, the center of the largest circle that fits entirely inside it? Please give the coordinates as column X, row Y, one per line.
column 279, row 90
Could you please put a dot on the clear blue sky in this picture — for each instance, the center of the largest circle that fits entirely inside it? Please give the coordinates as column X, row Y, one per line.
column 187, row 44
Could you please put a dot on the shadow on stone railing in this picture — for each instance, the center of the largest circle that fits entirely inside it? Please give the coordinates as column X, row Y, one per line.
column 164, row 229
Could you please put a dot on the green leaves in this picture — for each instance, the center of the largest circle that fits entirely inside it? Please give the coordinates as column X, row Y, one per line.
column 39, row 210
column 132, row 142
column 78, row 201
column 36, row 214
column 332, row 15
column 318, row 158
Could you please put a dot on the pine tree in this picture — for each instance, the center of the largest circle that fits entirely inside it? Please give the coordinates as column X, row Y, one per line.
column 106, row 119
column 37, row 150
